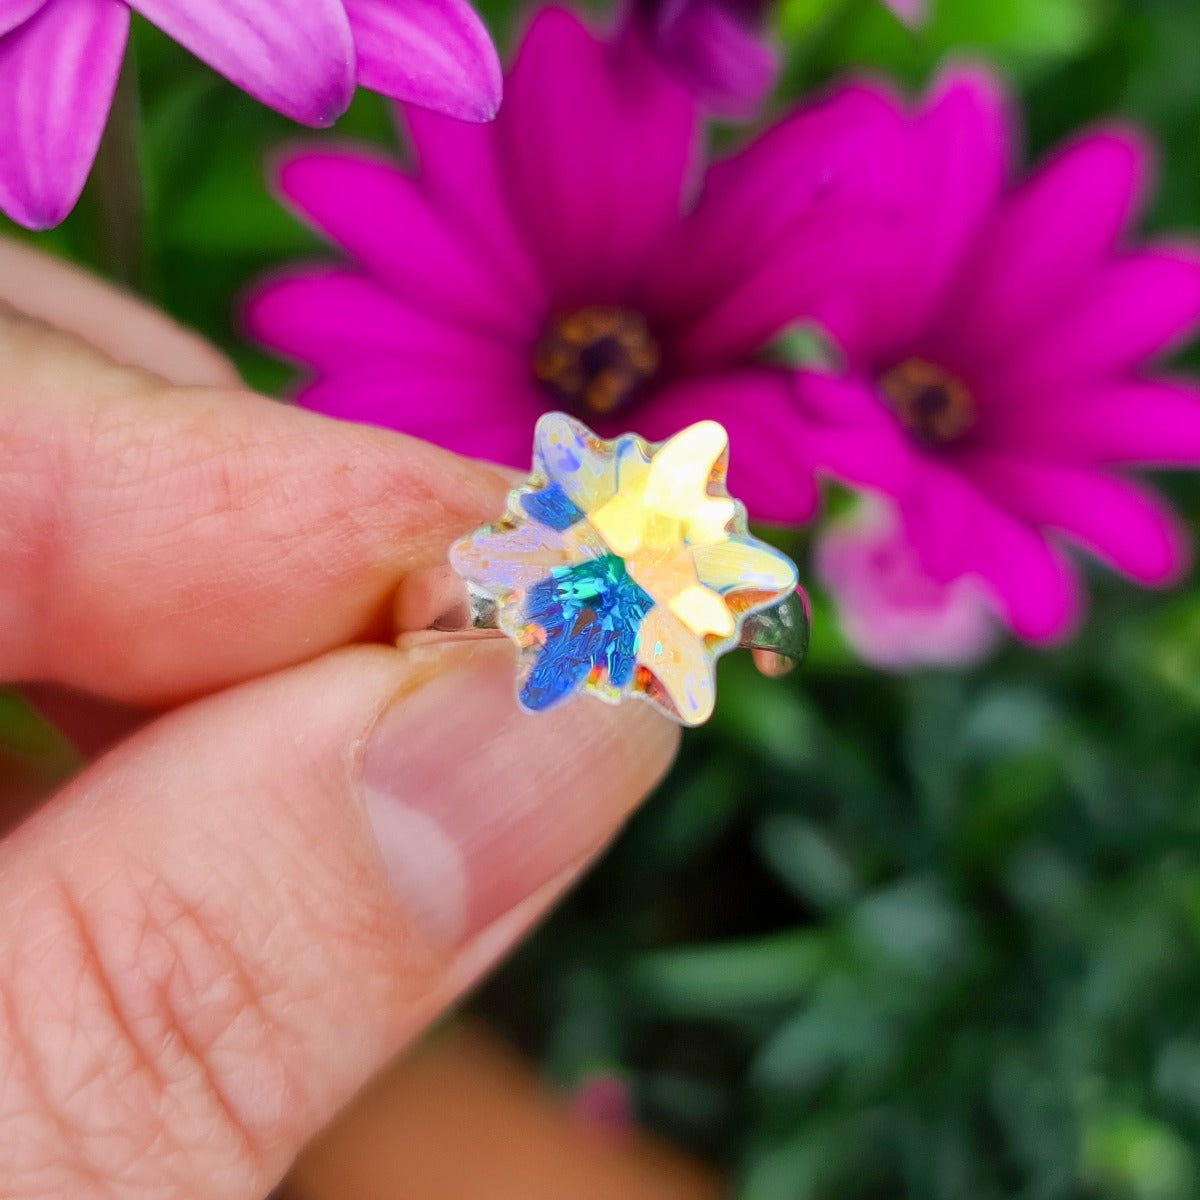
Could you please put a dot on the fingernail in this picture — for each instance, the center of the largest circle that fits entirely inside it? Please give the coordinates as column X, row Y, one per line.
column 475, row 804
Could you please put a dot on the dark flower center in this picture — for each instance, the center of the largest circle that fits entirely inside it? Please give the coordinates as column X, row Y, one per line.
column 934, row 406
column 595, row 361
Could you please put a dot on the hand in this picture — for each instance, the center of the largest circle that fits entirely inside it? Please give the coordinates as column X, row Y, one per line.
column 219, row 929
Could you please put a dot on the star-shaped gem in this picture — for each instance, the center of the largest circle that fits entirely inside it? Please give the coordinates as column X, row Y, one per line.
column 624, row 568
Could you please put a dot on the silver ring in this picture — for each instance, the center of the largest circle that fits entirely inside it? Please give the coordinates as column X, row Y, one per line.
column 776, row 637
column 621, row 568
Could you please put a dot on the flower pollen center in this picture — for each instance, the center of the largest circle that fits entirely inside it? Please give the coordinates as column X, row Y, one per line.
column 596, row 360
column 934, row 406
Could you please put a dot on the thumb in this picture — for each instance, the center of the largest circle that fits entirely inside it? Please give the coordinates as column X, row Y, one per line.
column 219, row 931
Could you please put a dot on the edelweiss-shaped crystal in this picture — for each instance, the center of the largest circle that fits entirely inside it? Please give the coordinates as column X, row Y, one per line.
column 624, row 568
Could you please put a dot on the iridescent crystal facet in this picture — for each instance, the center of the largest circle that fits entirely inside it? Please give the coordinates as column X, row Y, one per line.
column 624, row 568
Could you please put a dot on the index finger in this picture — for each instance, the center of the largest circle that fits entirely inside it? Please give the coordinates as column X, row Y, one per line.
column 158, row 542
column 118, row 323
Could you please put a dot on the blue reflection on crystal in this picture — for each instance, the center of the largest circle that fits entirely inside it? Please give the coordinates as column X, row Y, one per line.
column 592, row 616
column 551, row 507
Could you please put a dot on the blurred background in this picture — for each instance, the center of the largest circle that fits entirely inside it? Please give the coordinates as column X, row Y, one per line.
column 931, row 935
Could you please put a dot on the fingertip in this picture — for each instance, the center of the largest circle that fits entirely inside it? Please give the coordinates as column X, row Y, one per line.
column 458, row 780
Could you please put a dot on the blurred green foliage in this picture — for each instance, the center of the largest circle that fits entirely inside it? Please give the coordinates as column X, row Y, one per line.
column 934, row 936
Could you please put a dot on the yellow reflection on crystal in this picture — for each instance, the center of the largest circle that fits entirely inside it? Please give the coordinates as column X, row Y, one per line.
column 743, row 563
column 681, row 664
column 628, row 526
column 702, row 611
column 678, row 480
column 660, row 511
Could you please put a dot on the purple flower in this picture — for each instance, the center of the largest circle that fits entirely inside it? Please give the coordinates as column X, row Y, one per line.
column 1007, row 343
column 890, row 611
column 59, row 62
column 716, row 47
column 911, row 12
column 601, row 1105
column 545, row 262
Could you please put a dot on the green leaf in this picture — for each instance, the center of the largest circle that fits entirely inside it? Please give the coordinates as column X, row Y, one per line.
column 1137, row 1156
column 804, row 345
column 911, row 924
column 845, row 1030
column 806, row 859
column 23, row 731
column 812, row 1162
column 725, row 979
column 1022, row 37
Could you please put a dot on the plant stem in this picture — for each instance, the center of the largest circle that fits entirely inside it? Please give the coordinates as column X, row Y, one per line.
column 116, row 186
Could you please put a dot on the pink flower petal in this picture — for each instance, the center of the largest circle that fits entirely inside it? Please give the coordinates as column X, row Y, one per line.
column 1124, row 525
column 380, row 216
column 434, row 53
column 959, row 148
column 770, row 469
column 1124, row 313
column 726, row 63
column 802, row 279
column 334, row 319
column 494, row 424
column 460, row 175
column 58, row 73
column 297, row 56
column 602, row 1106
column 16, row 12
column 845, row 151
column 596, row 149
column 1152, row 423
column 851, row 434
column 911, row 12
column 891, row 612
column 1041, row 240
column 958, row 531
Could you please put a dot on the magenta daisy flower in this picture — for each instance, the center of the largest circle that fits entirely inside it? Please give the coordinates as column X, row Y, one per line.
column 1008, row 342
column 59, row 62
column 545, row 262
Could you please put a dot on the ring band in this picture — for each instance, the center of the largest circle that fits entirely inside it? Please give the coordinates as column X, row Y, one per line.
column 437, row 602
column 620, row 568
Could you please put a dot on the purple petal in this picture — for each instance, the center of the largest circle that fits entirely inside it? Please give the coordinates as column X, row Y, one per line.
column 58, row 73
column 433, row 53
column 380, row 216
column 297, row 56
column 958, row 156
column 804, row 279
column 1151, row 423
column 770, row 469
column 493, row 423
column 911, row 12
column 334, row 319
column 958, row 531
column 1120, row 523
column 596, row 148
column 1041, row 241
column 728, row 64
column 844, row 151
column 1123, row 313
column 16, row 12
column 892, row 613
column 460, row 175
column 851, row 434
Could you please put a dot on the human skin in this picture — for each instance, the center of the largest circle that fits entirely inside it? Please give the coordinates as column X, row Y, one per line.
column 312, row 840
